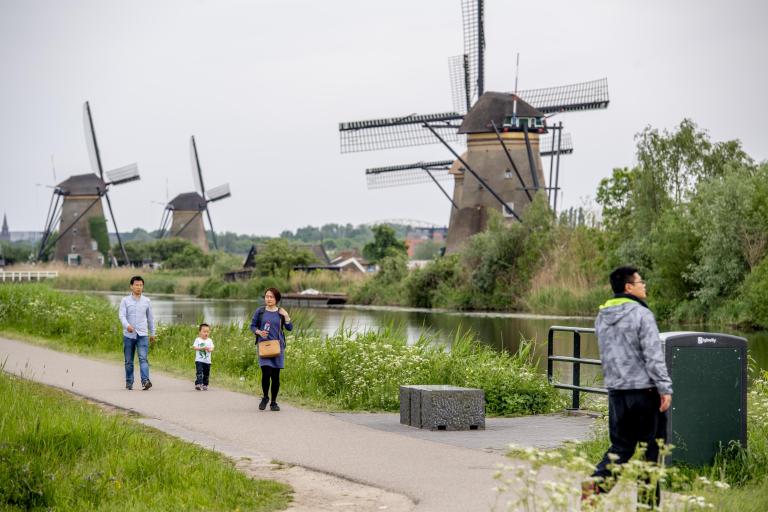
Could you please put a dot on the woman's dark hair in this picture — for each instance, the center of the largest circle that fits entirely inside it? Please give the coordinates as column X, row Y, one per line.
column 137, row 278
column 201, row 327
column 275, row 292
column 620, row 277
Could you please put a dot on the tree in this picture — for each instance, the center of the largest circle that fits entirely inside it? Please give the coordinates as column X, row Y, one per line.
column 384, row 244
column 190, row 257
column 99, row 233
column 279, row 257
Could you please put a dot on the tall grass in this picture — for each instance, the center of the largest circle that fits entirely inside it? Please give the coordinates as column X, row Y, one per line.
column 347, row 370
column 60, row 453
column 325, row 280
column 565, row 300
column 118, row 279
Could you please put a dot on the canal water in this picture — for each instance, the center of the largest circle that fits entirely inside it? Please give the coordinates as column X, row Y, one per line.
column 502, row 331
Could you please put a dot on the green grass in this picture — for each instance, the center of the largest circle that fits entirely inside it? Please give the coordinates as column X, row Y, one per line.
column 62, row 453
column 345, row 371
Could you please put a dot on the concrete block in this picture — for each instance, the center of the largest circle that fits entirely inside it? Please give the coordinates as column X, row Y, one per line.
column 440, row 407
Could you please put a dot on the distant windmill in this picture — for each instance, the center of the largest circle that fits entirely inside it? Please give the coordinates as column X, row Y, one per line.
column 184, row 212
column 76, row 208
column 502, row 137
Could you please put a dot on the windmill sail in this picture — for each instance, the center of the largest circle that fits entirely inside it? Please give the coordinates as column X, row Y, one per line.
column 408, row 174
column 472, row 17
column 220, row 192
column 458, row 71
column 90, row 141
column 197, row 173
column 567, row 98
column 398, row 132
column 565, row 145
column 123, row 174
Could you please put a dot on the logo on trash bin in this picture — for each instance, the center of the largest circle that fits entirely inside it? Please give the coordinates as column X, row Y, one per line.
column 701, row 340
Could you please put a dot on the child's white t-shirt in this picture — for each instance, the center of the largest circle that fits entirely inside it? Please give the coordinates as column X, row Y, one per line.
column 203, row 356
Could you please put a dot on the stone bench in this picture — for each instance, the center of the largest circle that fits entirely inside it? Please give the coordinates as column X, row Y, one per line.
column 442, row 407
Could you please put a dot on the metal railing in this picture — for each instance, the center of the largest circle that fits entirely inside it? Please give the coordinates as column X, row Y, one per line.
column 27, row 275
column 575, row 359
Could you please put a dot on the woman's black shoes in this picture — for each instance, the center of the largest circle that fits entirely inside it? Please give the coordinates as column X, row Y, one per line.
column 274, row 407
column 263, row 403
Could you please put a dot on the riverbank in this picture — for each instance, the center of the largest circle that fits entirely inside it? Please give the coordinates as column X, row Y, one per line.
column 345, row 371
column 59, row 452
column 543, row 299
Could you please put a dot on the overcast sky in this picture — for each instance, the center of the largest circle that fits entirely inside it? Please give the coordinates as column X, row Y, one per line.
column 263, row 85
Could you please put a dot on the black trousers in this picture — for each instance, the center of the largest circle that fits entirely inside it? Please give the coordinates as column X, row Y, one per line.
column 270, row 374
column 203, row 372
column 633, row 417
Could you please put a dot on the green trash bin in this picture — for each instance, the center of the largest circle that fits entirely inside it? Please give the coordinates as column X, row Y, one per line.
column 709, row 406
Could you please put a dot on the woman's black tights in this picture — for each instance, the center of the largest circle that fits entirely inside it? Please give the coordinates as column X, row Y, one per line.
column 268, row 373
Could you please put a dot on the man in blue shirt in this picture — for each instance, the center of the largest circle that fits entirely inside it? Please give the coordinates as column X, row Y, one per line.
column 138, row 330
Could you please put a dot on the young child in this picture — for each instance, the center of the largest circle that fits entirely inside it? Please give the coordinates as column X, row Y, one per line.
column 203, row 347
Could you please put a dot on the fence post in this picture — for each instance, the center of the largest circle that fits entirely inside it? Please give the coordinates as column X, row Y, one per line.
column 576, row 370
column 550, row 353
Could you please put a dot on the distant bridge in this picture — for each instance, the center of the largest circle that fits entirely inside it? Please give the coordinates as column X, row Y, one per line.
column 406, row 222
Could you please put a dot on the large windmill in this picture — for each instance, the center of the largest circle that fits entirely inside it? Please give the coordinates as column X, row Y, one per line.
column 502, row 132
column 184, row 213
column 77, row 210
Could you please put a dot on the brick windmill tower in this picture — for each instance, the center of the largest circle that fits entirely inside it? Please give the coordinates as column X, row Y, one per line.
column 184, row 213
column 502, row 132
column 501, row 167
column 76, row 208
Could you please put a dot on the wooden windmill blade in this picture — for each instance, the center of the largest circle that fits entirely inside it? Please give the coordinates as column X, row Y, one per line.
column 568, row 98
column 51, row 220
column 215, row 194
column 408, row 174
column 197, row 172
column 90, row 141
column 397, row 132
column 218, row 193
column 121, row 175
column 473, row 23
column 458, row 72
column 549, row 145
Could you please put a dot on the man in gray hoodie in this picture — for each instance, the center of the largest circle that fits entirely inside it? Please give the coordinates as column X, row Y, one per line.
column 634, row 371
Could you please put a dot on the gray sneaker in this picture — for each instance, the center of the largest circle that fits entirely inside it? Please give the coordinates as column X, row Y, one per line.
column 198, row 387
column 146, row 385
column 205, row 388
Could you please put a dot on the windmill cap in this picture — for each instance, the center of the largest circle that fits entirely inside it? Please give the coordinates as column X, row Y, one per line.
column 83, row 185
column 495, row 106
column 189, row 201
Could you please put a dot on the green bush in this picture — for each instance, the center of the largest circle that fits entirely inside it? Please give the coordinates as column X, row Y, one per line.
column 387, row 286
column 431, row 285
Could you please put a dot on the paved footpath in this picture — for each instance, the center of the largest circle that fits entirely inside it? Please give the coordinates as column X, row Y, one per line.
column 436, row 471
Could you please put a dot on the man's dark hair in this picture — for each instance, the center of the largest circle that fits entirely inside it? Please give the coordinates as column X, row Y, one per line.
column 137, row 278
column 203, row 325
column 620, row 277
column 275, row 292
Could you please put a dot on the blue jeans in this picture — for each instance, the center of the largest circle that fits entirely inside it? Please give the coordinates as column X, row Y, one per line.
column 129, row 349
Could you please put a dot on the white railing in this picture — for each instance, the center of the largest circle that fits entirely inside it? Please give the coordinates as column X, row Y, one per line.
column 27, row 275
